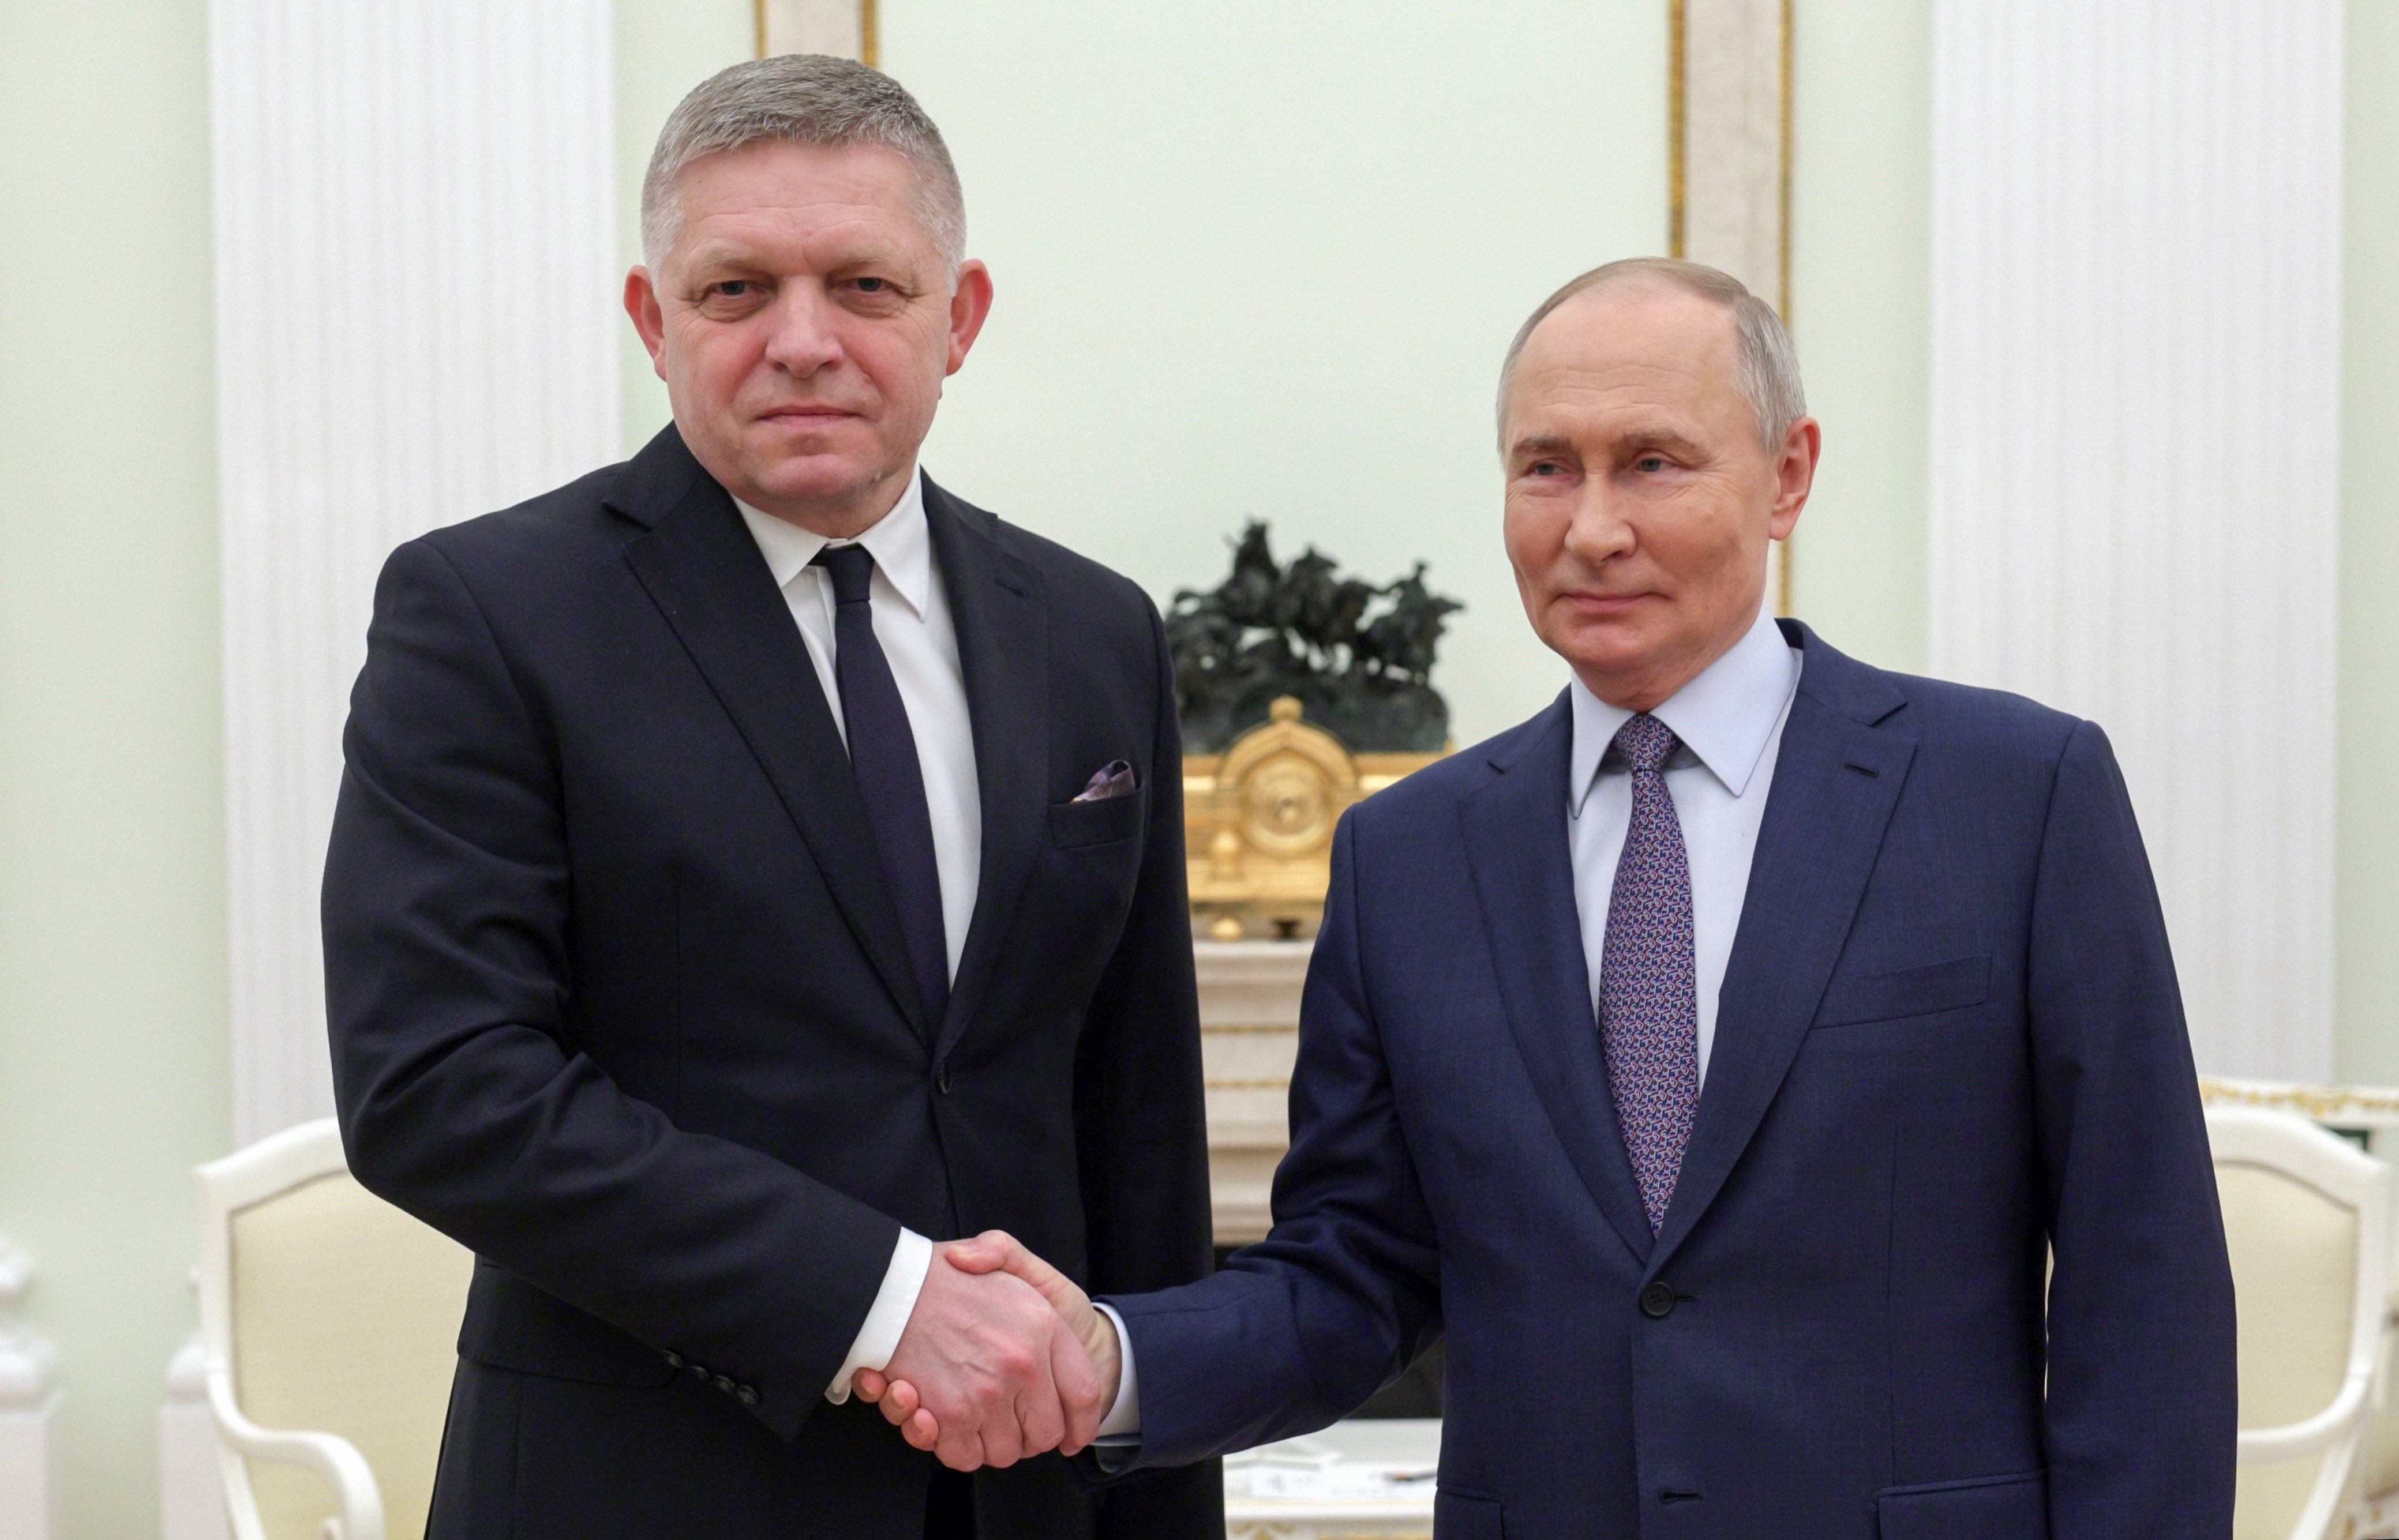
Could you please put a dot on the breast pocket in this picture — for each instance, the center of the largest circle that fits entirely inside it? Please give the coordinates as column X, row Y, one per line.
column 1467, row 1516
column 1074, row 824
column 1951, row 985
column 1985, row 1507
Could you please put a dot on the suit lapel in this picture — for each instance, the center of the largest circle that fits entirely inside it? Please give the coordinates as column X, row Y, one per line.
column 1837, row 778
column 1515, row 827
column 703, row 571
column 996, row 602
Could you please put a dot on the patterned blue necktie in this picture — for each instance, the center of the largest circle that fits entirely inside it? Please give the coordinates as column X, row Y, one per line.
column 890, row 780
column 1649, row 982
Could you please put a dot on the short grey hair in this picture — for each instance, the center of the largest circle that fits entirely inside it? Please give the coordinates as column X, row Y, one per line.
column 803, row 99
column 1767, row 372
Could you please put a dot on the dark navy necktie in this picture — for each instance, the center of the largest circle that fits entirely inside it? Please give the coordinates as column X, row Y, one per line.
column 1648, row 985
column 891, row 782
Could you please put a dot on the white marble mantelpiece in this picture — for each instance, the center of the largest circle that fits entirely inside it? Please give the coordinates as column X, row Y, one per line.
column 28, row 1407
column 1249, row 1037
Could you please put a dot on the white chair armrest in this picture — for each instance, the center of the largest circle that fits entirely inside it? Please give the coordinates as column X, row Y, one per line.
column 2323, row 1430
column 334, row 1458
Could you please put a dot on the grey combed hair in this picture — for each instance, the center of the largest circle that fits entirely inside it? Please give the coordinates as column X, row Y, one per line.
column 1767, row 372
column 803, row 99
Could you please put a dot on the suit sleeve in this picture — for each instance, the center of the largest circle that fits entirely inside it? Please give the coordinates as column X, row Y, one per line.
column 1141, row 1116
column 2142, row 1405
column 1300, row 1330
column 463, row 1096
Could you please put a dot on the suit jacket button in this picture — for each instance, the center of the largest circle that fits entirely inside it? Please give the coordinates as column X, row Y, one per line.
column 725, row 1385
column 1658, row 1302
column 698, row 1370
column 941, row 1078
column 674, row 1359
column 746, row 1396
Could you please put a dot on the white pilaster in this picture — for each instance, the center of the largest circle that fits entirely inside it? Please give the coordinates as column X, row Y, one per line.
column 29, row 1409
column 2135, row 369
column 417, row 305
column 1732, row 157
column 842, row 27
column 1729, row 161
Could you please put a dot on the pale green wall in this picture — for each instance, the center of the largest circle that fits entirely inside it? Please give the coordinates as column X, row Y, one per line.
column 2367, row 944
column 113, row 1017
column 664, row 47
column 1861, row 262
column 1261, row 258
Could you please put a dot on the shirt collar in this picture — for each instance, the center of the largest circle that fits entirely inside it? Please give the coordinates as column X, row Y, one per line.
column 1724, row 716
column 901, row 542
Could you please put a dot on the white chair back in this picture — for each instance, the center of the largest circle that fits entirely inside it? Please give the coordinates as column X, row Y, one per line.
column 330, row 1321
column 2307, row 1218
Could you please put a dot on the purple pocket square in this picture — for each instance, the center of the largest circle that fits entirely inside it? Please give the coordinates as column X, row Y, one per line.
column 1112, row 779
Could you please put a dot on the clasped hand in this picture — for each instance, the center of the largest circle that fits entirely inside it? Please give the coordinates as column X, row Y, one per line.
column 1003, row 1357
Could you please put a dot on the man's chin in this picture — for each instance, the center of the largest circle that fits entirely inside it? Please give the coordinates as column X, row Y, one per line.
column 812, row 477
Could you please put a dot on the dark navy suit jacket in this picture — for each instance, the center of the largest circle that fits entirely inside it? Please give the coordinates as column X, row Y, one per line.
column 619, row 999
column 1949, row 1040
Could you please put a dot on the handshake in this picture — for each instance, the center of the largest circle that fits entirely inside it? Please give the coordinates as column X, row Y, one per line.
column 1003, row 1357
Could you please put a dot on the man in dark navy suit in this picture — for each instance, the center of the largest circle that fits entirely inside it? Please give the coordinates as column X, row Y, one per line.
column 754, row 863
column 1720, row 1057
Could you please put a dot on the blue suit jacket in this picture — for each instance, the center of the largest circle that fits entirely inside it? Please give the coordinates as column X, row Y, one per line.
column 1949, row 1041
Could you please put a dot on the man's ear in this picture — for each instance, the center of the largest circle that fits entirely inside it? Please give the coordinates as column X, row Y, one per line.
column 1795, row 473
column 969, row 306
column 642, row 304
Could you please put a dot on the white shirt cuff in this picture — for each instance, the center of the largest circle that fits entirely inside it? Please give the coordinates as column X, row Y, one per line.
column 1124, row 1417
column 912, row 1258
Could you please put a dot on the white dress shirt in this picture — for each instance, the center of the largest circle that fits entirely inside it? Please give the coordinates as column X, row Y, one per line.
column 912, row 621
column 1730, row 720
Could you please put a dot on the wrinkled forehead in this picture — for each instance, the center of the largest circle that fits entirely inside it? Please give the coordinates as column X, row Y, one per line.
column 1629, row 346
column 779, row 194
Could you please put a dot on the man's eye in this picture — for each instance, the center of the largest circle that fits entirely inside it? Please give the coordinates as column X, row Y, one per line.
column 872, row 286
column 732, row 288
column 1650, row 461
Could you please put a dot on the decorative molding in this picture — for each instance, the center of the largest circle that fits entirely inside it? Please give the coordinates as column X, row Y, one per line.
column 2137, row 268
column 1248, row 1039
column 846, row 28
column 417, row 314
column 2341, row 1106
column 1728, row 155
column 191, row 1474
column 29, row 1407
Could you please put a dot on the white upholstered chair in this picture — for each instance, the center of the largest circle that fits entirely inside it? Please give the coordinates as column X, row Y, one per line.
column 330, row 1321
column 2307, row 1217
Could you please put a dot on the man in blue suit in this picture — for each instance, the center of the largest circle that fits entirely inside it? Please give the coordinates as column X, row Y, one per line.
column 1766, row 1071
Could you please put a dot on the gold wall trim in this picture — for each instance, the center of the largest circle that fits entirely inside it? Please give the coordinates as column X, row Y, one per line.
column 1676, row 68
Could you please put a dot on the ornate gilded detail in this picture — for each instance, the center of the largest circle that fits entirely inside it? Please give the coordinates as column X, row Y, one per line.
column 1258, row 823
column 2355, row 1106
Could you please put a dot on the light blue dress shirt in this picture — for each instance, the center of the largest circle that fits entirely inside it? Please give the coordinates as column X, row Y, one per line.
column 1730, row 720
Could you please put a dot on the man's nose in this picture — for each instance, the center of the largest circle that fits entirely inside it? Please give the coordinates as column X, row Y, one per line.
column 1598, row 529
column 805, row 336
